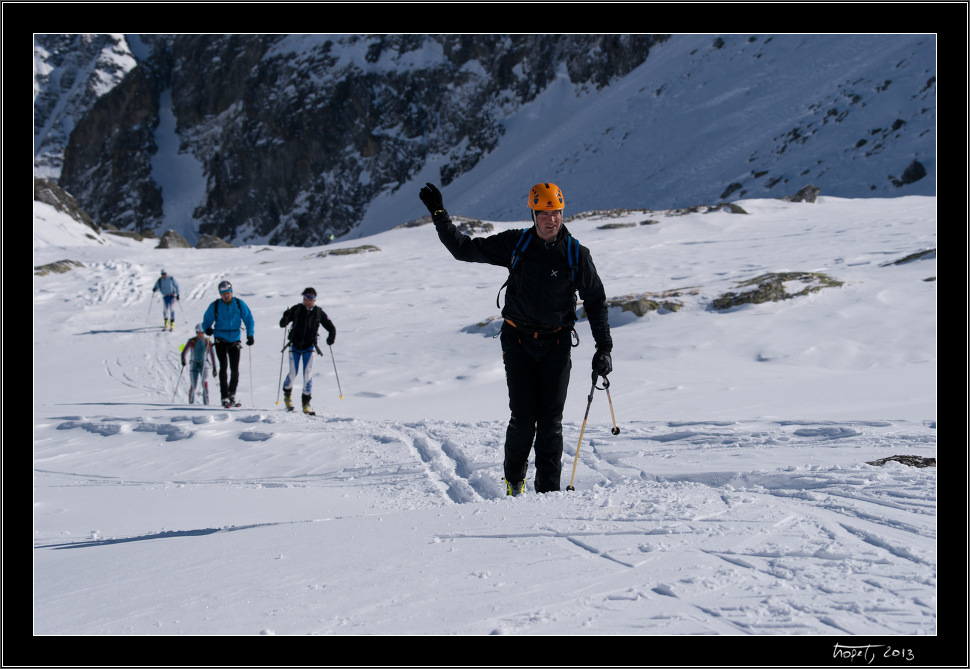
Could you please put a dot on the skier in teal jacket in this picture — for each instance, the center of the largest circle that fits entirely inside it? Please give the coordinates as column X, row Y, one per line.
column 223, row 319
column 199, row 348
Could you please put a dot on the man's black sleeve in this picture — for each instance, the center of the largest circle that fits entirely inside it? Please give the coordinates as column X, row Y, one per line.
column 493, row 250
column 593, row 294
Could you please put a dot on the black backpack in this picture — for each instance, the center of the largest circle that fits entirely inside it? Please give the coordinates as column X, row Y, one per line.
column 316, row 318
column 572, row 252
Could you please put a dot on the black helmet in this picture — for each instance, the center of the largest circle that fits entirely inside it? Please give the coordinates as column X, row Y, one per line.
column 225, row 286
column 311, row 292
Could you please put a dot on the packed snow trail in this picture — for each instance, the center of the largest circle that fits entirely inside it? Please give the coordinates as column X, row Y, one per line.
column 722, row 551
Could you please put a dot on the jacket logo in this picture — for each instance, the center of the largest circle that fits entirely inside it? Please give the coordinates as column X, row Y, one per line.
column 555, row 272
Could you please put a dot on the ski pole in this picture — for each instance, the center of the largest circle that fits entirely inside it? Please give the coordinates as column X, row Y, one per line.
column 606, row 387
column 177, row 383
column 589, row 402
column 279, row 384
column 252, row 396
column 150, row 303
column 335, row 372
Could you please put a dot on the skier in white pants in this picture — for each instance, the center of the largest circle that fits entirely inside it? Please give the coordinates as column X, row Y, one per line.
column 306, row 319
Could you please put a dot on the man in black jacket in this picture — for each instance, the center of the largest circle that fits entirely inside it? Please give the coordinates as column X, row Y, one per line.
column 546, row 266
column 306, row 319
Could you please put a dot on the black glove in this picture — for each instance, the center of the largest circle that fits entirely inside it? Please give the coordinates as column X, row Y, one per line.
column 431, row 197
column 249, row 340
column 178, row 299
column 208, row 331
column 183, row 363
column 214, row 372
column 602, row 363
column 331, row 339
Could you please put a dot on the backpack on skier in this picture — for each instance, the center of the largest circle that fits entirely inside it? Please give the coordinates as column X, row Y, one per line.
column 572, row 253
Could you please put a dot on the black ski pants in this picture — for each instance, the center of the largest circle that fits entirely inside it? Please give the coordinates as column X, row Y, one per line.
column 537, row 372
column 227, row 352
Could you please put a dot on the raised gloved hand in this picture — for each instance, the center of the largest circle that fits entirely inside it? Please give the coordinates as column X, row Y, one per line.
column 602, row 363
column 431, row 197
column 249, row 340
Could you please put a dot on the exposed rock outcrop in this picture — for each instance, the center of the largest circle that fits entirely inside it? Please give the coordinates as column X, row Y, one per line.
column 59, row 267
column 911, row 460
column 772, row 287
column 173, row 240
column 49, row 192
column 212, row 242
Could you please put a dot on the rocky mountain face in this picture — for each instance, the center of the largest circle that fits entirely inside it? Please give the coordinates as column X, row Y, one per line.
column 296, row 134
column 300, row 139
column 70, row 73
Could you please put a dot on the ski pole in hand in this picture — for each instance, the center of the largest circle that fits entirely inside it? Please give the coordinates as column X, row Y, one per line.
column 150, row 303
column 606, row 387
column 335, row 372
column 589, row 402
column 279, row 384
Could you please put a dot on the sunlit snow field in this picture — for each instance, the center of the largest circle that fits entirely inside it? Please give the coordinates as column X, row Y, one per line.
column 737, row 498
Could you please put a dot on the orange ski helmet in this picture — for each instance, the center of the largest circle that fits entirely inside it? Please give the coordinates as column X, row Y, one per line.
column 545, row 197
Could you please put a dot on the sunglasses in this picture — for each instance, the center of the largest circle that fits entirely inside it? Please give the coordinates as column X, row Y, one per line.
column 307, row 296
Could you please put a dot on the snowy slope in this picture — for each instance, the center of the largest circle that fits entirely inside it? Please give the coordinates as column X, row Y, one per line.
column 736, row 501
column 772, row 113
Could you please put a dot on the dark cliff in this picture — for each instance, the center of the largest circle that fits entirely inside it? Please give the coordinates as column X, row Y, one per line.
column 296, row 134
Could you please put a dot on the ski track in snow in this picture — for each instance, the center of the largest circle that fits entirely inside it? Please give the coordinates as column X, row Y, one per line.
column 848, row 518
column 457, row 457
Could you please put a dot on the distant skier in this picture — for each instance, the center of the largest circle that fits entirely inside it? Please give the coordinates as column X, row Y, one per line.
column 169, row 288
column 200, row 349
column 306, row 319
column 223, row 319
column 546, row 266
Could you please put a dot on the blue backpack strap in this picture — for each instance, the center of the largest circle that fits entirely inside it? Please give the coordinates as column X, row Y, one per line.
column 520, row 247
column 572, row 252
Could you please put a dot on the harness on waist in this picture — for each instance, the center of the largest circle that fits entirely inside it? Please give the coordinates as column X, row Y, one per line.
column 531, row 332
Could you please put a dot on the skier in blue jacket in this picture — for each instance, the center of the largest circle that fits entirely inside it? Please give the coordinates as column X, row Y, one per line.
column 223, row 319
column 169, row 288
